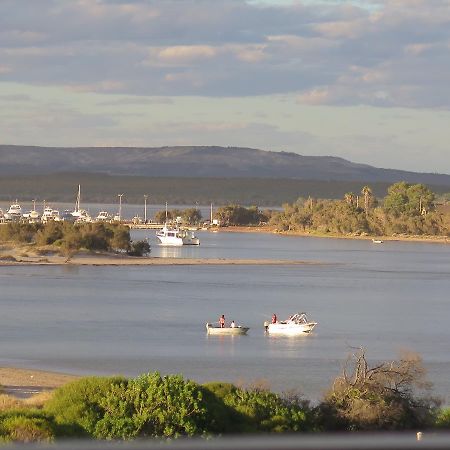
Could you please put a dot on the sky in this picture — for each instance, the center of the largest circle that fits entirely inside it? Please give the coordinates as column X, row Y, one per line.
column 365, row 80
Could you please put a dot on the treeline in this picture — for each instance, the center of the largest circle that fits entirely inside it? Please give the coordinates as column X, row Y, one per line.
column 227, row 215
column 102, row 188
column 406, row 209
column 69, row 238
column 390, row 396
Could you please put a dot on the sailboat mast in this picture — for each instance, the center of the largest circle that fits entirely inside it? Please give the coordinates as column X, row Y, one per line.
column 77, row 204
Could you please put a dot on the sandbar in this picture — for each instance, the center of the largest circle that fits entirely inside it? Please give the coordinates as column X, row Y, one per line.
column 12, row 256
column 23, row 383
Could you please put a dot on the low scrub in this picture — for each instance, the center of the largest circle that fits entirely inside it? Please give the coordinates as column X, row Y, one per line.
column 26, row 426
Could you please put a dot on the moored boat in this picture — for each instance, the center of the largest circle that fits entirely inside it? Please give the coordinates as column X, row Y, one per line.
column 14, row 212
column 297, row 324
column 176, row 236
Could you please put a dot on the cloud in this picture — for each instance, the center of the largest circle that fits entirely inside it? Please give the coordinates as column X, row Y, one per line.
column 187, row 53
column 369, row 52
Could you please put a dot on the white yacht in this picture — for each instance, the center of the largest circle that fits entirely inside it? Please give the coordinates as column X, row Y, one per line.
column 176, row 236
column 50, row 215
column 14, row 212
column 103, row 216
column 32, row 216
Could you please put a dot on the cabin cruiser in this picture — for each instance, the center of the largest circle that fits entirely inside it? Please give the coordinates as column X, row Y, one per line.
column 103, row 216
column 297, row 324
column 14, row 212
column 50, row 215
column 67, row 216
column 176, row 236
column 81, row 215
column 32, row 216
column 216, row 329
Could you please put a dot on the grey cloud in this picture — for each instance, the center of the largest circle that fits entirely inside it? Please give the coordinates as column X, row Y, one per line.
column 323, row 53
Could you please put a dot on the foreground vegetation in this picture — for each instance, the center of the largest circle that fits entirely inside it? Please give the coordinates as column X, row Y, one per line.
column 69, row 238
column 388, row 396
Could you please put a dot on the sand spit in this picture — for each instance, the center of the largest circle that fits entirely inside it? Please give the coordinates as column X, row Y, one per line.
column 24, row 383
column 13, row 256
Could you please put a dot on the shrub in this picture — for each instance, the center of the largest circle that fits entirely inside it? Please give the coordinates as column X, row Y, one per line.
column 26, row 426
column 443, row 418
column 151, row 405
column 78, row 404
column 139, row 248
column 262, row 410
column 384, row 397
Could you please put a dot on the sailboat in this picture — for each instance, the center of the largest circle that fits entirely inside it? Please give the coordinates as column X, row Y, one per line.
column 80, row 215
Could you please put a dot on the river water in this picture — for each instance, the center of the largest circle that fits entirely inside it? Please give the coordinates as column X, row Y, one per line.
column 388, row 298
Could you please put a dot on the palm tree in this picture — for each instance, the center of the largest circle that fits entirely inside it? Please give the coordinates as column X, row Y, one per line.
column 367, row 192
column 349, row 197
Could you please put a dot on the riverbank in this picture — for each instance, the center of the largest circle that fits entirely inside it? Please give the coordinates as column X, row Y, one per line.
column 396, row 238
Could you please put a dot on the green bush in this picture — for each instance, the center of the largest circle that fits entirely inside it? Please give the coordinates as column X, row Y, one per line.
column 139, row 248
column 443, row 418
column 151, row 405
column 78, row 404
column 26, row 426
column 257, row 410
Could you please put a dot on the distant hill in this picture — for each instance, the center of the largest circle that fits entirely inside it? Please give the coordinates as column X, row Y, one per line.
column 200, row 162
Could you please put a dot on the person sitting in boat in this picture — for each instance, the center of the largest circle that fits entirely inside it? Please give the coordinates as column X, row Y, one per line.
column 274, row 318
column 222, row 321
column 233, row 324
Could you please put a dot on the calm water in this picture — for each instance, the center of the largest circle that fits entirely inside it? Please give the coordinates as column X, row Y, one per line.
column 129, row 320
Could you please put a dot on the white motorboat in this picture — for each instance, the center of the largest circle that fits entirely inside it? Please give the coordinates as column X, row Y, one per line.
column 297, row 324
column 215, row 328
column 103, row 216
column 176, row 236
column 377, row 241
column 48, row 215
column 14, row 212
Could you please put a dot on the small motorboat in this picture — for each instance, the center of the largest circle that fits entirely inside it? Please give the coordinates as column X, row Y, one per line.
column 215, row 328
column 297, row 324
column 377, row 241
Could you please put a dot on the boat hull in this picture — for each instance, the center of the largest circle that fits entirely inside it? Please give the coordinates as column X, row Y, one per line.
column 227, row 331
column 290, row 329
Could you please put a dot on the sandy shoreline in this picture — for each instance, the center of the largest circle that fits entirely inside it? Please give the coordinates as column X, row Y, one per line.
column 152, row 261
column 397, row 238
column 23, row 383
column 13, row 256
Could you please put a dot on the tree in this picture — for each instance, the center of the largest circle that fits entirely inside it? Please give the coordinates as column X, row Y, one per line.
column 192, row 216
column 367, row 192
column 411, row 200
column 382, row 397
column 139, row 248
column 349, row 198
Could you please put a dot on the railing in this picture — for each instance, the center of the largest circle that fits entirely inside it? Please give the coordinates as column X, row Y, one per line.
column 348, row 441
